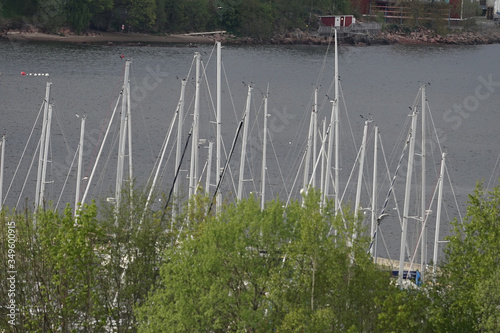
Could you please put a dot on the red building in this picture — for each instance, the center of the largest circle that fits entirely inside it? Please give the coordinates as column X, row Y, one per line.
column 337, row 20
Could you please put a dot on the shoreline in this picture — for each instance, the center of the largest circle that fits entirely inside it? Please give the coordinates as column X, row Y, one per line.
column 297, row 37
column 109, row 38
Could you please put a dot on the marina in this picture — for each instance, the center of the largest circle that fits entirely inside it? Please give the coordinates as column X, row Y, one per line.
column 376, row 91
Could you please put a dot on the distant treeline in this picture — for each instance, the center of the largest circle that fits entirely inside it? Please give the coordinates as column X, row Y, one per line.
column 254, row 18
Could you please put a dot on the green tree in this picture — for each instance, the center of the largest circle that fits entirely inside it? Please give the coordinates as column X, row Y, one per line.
column 50, row 14
column 56, row 266
column 278, row 269
column 467, row 288
column 142, row 14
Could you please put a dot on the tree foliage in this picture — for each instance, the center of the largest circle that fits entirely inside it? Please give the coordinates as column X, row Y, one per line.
column 281, row 269
column 468, row 285
column 83, row 274
column 255, row 18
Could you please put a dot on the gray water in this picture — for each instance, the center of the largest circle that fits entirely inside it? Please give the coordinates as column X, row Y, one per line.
column 379, row 82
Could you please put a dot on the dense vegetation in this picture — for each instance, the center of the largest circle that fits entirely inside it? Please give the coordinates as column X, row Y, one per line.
column 283, row 269
column 257, row 18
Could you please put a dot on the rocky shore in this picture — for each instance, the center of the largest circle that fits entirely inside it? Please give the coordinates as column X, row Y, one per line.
column 296, row 37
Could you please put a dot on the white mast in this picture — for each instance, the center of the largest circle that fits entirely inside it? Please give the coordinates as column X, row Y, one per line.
column 129, row 127
column 322, row 152
column 46, row 157
column 179, row 145
column 423, row 259
column 438, row 214
column 193, row 171
column 2, row 162
column 244, row 144
column 42, row 144
column 209, row 167
column 315, row 126
column 123, row 136
column 264, row 154
column 374, row 225
column 80, row 161
column 357, row 208
column 218, row 169
column 308, row 151
column 328, row 172
column 337, row 134
column 409, row 172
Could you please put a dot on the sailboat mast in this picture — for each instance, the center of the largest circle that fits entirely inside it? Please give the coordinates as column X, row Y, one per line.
column 423, row 262
column 2, row 164
column 129, row 127
column 308, row 151
column 218, row 198
column 360, row 177
column 328, row 172
column 406, row 206
column 193, row 172
column 264, row 155
column 42, row 144
column 438, row 213
column 209, row 166
column 46, row 156
column 123, row 136
column 315, row 136
column 80, row 161
column 374, row 193
column 244, row 144
column 178, row 151
column 337, row 135
column 322, row 152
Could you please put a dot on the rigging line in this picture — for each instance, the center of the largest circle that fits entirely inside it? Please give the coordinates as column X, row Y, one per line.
column 29, row 171
column 177, row 173
column 391, row 188
column 426, row 216
column 165, row 142
column 67, row 177
column 385, row 247
column 221, row 176
column 100, row 180
column 230, row 93
column 350, row 175
column 249, row 159
column 368, row 142
column 323, row 65
column 102, row 135
column 210, row 98
column 294, row 154
column 347, row 115
column 296, row 177
column 493, row 172
column 54, row 112
column 446, row 168
column 118, row 87
column 454, row 195
column 214, row 47
column 278, row 163
column 24, row 151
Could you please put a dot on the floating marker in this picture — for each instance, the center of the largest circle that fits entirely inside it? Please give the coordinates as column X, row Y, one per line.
column 122, row 56
column 23, row 73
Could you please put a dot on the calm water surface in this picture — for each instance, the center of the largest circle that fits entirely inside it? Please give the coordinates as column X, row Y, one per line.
column 379, row 82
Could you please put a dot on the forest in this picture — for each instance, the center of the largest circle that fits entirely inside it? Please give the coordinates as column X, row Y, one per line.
column 284, row 268
column 253, row 18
